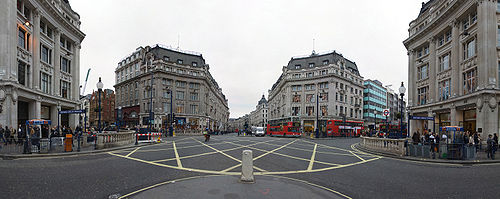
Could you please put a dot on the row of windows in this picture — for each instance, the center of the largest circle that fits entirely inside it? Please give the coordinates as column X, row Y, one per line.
column 469, row 49
column 179, row 61
column 469, row 86
column 311, row 65
column 323, row 110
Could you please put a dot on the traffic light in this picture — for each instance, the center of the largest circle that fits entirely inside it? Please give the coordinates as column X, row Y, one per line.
column 173, row 118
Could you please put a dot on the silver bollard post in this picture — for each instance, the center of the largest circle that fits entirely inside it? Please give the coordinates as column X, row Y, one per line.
column 247, row 167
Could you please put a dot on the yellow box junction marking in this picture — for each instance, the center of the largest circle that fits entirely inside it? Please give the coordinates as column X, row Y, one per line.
column 225, row 154
column 311, row 162
column 133, row 151
column 179, row 163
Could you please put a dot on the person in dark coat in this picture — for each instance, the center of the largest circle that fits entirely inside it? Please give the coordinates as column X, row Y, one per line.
column 490, row 145
column 7, row 135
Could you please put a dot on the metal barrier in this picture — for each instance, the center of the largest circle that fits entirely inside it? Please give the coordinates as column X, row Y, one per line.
column 148, row 137
column 392, row 146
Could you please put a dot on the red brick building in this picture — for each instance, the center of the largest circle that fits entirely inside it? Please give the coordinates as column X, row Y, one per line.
column 108, row 115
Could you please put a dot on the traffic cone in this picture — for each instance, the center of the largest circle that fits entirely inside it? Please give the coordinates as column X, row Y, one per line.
column 159, row 138
column 173, row 134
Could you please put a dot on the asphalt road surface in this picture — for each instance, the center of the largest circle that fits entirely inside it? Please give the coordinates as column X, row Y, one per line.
column 330, row 164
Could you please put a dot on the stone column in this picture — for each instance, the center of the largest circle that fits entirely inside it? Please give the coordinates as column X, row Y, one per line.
column 432, row 71
column 453, row 115
column 456, row 84
column 76, row 72
column 486, row 44
column 53, row 115
column 35, row 74
column 38, row 109
column 8, row 43
column 57, row 63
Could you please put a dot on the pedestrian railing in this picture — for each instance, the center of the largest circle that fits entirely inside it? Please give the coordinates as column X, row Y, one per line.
column 405, row 147
column 386, row 145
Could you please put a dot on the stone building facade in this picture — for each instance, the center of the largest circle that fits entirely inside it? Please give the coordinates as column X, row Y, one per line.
column 454, row 65
column 108, row 114
column 331, row 76
column 258, row 117
column 39, row 61
column 197, row 101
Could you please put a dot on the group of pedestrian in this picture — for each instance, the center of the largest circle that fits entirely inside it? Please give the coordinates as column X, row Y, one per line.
column 492, row 145
column 10, row 135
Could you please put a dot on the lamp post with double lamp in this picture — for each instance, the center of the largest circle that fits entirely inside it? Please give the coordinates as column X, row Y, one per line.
column 100, row 85
column 402, row 91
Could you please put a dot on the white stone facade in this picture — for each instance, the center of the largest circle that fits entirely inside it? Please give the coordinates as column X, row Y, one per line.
column 258, row 117
column 454, row 65
column 197, row 99
column 331, row 76
column 39, row 61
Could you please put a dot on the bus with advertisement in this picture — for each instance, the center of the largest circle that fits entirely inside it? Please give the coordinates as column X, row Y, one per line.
column 283, row 128
column 340, row 128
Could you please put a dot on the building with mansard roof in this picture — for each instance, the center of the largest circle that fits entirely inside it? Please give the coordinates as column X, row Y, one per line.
column 182, row 84
column 330, row 77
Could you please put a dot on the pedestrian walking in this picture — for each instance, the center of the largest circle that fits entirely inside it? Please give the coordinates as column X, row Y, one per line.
column 476, row 141
column 207, row 136
column 432, row 141
column 490, row 147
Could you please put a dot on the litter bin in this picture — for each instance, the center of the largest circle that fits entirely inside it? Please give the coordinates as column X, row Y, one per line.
column 68, row 143
column 44, row 145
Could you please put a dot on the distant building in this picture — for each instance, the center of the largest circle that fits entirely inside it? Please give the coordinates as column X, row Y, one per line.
column 183, row 76
column 258, row 117
column 107, row 108
column 40, row 43
column 374, row 102
column 240, row 123
column 330, row 77
column 453, row 49
column 394, row 105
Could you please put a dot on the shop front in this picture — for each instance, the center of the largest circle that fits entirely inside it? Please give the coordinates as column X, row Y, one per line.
column 469, row 120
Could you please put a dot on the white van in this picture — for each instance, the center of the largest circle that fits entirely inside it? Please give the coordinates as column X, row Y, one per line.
column 258, row 131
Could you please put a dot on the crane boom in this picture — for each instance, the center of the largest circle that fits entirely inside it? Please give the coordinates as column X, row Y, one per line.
column 85, row 84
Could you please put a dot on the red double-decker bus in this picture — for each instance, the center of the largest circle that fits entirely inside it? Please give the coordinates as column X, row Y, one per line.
column 338, row 128
column 283, row 128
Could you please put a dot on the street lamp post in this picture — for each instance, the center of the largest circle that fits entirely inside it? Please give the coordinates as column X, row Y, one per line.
column 170, row 128
column 151, row 101
column 402, row 91
column 100, row 85
column 118, row 114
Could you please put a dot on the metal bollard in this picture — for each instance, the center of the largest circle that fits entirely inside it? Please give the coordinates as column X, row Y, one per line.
column 247, row 167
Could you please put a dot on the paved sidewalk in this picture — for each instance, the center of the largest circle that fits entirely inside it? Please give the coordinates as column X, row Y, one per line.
column 418, row 159
column 86, row 150
column 209, row 187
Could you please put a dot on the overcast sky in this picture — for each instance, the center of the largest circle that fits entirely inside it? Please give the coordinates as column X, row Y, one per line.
column 247, row 42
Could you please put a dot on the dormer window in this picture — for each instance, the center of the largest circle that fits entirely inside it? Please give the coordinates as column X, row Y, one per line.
column 297, row 66
column 194, row 64
column 165, row 58
column 311, row 65
column 325, row 62
column 179, row 61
